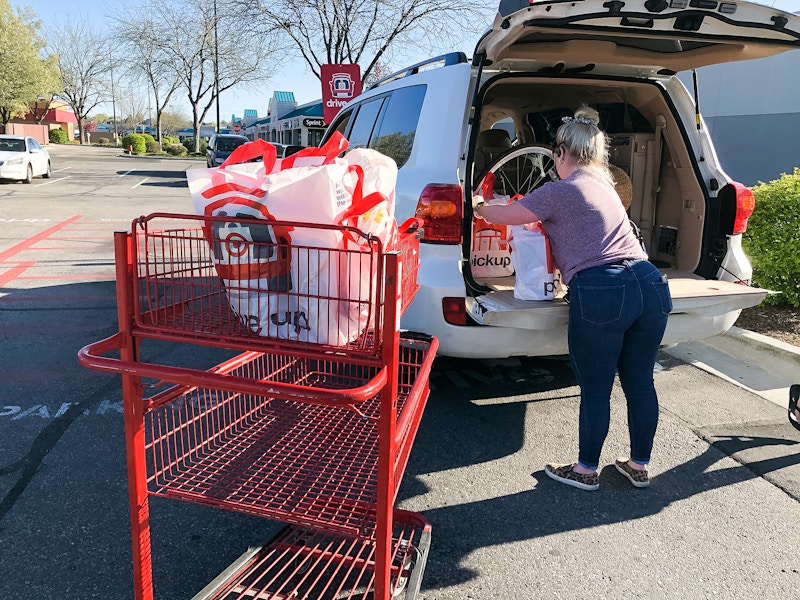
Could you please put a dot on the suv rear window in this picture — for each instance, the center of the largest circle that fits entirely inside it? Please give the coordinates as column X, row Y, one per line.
column 229, row 144
column 387, row 123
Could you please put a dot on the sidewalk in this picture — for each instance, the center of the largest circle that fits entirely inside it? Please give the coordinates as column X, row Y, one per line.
column 755, row 362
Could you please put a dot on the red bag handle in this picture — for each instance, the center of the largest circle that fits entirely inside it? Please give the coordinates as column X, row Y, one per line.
column 361, row 203
column 332, row 148
column 255, row 149
column 261, row 148
column 487, row 186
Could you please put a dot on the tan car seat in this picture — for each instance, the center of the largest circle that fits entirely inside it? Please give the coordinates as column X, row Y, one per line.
column 491, row 144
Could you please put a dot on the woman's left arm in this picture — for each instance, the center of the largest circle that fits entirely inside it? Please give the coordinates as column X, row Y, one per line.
column 505, row 214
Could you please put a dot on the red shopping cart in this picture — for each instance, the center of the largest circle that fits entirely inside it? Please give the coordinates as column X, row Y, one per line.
column 311, row 426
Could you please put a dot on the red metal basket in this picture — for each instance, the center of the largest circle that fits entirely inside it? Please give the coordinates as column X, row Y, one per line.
column 201, row 278
column 291, row 461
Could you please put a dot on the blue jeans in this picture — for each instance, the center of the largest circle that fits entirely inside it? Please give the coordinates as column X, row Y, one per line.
column 617, row 317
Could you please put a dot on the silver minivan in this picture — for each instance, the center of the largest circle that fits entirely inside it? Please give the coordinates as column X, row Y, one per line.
column 450, row 121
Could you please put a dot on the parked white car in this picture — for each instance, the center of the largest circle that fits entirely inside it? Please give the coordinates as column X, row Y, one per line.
column 23, row 158
column 448, row 121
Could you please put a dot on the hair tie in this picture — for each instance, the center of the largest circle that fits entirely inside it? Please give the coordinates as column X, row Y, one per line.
column 581, row 120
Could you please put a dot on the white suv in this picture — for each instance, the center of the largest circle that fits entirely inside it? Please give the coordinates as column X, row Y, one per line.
column 448, row 121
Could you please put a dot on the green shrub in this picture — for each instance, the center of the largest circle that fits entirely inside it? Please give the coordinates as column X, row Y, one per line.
column 103, row 141
column 153, row 147
column 58, row 136
column 771, row 239
column 166, row 139
column 148, row 138
column 136, row 142
column 176, row 149
column 189, row 143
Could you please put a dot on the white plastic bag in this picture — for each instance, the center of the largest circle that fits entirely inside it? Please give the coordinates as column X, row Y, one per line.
column 491, row 255
column 533, row 263
column 294, row 287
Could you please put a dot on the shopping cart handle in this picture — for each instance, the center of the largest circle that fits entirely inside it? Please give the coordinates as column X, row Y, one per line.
column 91, row 356
column 412, row 225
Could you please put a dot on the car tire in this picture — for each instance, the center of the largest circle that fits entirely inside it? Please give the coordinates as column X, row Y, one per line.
column 49, row 172
column 29, row 174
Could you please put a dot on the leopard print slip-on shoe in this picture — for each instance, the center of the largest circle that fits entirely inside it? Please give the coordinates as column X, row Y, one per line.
column 566, row 474
column 639, row 479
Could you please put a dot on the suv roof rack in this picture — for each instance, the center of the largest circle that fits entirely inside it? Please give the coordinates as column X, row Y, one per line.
column 451, row 58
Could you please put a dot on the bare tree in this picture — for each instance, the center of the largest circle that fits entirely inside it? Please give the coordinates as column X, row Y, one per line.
column 83, row 64
column 209, row 48
column 368, row 32
column 132, row 107
column 172, row 122
column 147, row 57
column 379, row 71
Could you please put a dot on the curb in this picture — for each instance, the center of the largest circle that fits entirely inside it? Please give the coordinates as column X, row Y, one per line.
column 776, row 348
column 124, row 155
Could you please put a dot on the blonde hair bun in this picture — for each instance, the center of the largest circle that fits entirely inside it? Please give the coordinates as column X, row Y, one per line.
column 587, row 112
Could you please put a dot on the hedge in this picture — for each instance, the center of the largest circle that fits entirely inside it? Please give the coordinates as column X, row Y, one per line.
column 189, row 143
column 58, row 136
column 176, row 149
column 772, row 240
column 136, row 142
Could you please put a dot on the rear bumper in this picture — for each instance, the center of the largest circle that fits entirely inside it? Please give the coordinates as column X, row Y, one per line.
column 540, row 328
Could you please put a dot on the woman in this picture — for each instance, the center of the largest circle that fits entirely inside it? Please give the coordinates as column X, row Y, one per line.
column 618, row 301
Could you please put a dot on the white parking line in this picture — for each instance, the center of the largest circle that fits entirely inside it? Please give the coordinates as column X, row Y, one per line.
column 48, row 182
column 140, row 183
column 126, row 173
column 61, row 169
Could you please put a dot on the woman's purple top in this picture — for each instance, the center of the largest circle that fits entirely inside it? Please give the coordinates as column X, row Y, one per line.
column 586, row 223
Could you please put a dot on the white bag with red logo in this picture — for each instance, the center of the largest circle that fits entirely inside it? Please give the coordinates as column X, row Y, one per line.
column 490, row 255
column 292, row 288
column 533, row 263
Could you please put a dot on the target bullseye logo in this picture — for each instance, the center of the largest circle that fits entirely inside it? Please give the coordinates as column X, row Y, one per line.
column 236, row 245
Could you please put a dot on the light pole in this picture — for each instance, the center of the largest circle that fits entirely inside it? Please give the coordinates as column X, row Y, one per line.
column 216, row 63
column 113, row 101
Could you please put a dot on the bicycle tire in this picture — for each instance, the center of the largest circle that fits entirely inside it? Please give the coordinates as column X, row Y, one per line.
column 520, row 170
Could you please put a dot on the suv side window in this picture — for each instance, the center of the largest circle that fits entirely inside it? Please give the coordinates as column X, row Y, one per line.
column 387, row 123
column 395, row 133
column 364, row 123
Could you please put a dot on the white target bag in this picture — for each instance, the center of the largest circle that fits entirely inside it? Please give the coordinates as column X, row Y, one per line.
column 284, row 281
column 533, row 263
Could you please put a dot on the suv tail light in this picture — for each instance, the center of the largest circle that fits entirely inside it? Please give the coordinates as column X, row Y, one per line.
column 745, row 204
column 441, row 207
column 454, row 310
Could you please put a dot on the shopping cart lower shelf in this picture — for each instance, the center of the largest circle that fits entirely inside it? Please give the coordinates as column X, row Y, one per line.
column 306, row 563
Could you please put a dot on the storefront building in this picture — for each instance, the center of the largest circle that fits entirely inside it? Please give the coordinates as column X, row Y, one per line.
column 43, row 118
column 287, row 122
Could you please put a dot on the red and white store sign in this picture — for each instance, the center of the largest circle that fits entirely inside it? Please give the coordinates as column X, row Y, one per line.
column 340, row 84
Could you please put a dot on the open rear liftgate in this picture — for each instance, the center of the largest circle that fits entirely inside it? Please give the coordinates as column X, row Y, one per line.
column 314, row 435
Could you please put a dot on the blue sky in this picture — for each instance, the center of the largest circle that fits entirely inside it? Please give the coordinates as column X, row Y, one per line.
column 294, row 78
